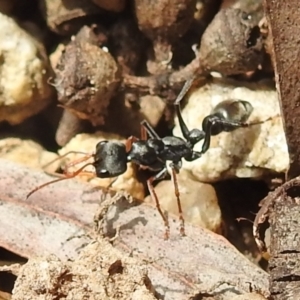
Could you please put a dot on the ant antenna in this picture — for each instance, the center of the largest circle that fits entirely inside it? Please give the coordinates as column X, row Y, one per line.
column 67, row 174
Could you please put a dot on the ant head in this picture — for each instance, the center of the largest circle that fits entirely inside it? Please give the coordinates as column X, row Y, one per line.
column 195, row 135
column 234, row 110
column 110, row 159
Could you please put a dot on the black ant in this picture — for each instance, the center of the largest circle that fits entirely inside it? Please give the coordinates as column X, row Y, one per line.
column 110, row 158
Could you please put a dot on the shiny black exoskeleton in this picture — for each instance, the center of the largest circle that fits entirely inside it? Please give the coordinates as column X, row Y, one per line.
column 153, row 153
column 111, row 157
column 227, row 116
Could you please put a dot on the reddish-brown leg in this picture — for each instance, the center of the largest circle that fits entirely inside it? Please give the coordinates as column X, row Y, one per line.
column 144, row 135
column 155, row 198
column 68, row 175
column 129, row 142
column 177, row 194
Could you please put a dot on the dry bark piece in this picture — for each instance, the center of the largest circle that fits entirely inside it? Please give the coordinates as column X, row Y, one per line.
column 88, row 276
column 86, row 79
column 281, row 208
column 283, row 31
column 284, row 248
column 231, row 44
column 163, row 22
column 25, row 69
column 66, row 17
column 111, row 5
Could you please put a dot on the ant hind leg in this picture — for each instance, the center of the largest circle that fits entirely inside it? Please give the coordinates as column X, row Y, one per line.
column 175, row 169
column 153, row 194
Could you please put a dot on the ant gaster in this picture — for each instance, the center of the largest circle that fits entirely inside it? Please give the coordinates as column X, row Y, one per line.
column 227, row 116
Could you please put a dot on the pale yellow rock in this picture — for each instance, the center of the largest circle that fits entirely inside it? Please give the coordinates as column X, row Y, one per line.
column 87, row 143
column 24, row 69
column 249, row 296
column 199, row 201
column 247, row 152
column 26, row 152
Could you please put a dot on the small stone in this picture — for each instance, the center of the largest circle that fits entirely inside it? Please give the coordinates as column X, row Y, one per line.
column 251, row 152
column 25, row 69
column 198, row 200
column 27, row 152
column 249, row 296
column 87, row 143
column 152, row 107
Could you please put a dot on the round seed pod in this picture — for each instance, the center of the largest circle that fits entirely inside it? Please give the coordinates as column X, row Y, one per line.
column 86, row 79
column 163, row 22
column 231, row 44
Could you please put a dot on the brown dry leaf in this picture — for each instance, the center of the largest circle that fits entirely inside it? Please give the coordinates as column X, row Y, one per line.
column 202, row 263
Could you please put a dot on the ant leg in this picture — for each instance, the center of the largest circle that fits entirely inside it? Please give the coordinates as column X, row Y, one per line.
column 145, row 129
column 68, row 175
column 175, row 169
column 153, row 194
column 151, row 132
column 184, row 90
column 79, row 160
column 71, row 164
column 61, row 157
column 184, row 129
column 129, row 142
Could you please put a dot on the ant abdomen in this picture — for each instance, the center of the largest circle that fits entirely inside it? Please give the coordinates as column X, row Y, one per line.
column 233, row 110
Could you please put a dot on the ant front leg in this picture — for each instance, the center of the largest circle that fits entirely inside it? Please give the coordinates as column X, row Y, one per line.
column 154, row 197
column 44, row 167
column 175, row 170
column 147, row 129
column 129, row 142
